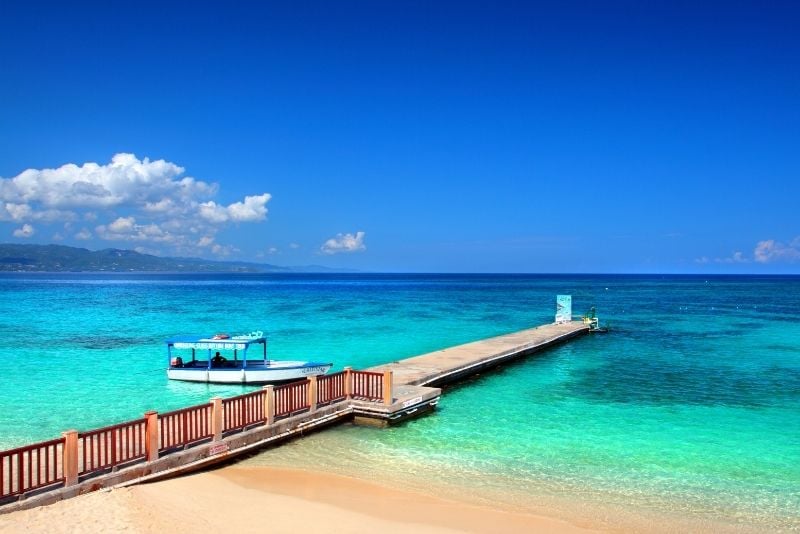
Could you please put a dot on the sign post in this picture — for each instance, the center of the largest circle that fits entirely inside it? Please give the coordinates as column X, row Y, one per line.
column 563, row 308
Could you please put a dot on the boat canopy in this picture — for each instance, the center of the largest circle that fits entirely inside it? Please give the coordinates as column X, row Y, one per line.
column 217, row 342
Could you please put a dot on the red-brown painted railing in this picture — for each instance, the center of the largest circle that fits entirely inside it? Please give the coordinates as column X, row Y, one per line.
column 243, row 410
column 42, row 464
column 331, row 388
column 183, row 427
column 31, row 467
column 110, row 446
column 367, row 385
column 291, row 398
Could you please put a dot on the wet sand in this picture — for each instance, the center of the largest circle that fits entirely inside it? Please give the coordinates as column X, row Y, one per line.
column 260, row 499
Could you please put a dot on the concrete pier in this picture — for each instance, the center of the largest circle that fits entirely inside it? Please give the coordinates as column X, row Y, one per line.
column 420, row 377
column 449, row 365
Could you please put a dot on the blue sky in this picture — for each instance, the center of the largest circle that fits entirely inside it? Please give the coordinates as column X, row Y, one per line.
column 408, row 136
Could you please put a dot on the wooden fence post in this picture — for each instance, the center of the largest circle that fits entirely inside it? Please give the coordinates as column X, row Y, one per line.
column 216, row 418
column 312, row 393
column 269, row 404
column 348, row 382
column 388, row 393
column 70, row 459
column 151, row 436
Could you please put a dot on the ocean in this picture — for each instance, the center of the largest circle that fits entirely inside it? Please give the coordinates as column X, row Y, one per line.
column 688, row 409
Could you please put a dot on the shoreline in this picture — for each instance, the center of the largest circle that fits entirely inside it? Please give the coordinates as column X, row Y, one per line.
column 250, row 499
column 253, row 498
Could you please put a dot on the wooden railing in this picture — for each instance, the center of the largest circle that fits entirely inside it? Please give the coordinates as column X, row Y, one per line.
column 291, row 398
column 243, row 411
column 367, row 385
column 31, row 467
column 77, row 455
column 183, row 427
column 331, row 388
column 110, row 446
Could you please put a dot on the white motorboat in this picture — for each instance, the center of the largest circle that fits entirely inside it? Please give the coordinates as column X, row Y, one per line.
column 242, row 359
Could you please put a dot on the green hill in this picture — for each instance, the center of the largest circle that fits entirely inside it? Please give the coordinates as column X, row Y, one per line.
column 60, row 258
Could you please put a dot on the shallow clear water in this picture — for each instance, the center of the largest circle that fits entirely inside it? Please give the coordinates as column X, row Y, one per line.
column 690, row 405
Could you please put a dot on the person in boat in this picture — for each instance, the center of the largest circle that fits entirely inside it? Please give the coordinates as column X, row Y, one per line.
column 218, row 360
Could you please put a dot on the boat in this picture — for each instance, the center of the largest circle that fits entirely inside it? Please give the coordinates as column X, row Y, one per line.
column 239, row 359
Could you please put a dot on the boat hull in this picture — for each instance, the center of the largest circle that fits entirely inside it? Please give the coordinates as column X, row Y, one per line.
column 270, row 374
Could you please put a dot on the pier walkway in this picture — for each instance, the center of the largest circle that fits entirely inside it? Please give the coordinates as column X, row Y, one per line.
column 421, row 376
column 162, row 445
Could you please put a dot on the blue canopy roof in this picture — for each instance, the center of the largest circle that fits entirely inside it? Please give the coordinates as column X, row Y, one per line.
column 216, row 341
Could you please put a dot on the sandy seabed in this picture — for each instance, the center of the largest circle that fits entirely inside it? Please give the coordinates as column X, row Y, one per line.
column 263, row 499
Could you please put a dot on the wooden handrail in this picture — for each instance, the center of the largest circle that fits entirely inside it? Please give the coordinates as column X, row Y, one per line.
column 243, row 411
column 110, row 446
column 184, row 427
column 31, row 467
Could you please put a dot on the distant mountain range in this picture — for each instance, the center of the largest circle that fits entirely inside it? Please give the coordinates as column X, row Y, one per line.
column 60, row 258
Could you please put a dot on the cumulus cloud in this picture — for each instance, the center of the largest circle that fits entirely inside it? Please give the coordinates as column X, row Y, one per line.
column 766, row 251
column 126, row 229
column 769, row 251
column 25, row 231
column 205, row 241
column 736, row 257
column 84, row 235
column 344, row 243
column 125, row 180
column 129, row 199
column 254, row 208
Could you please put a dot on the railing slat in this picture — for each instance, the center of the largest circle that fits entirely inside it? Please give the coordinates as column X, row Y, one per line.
column 291, row 398
column 184, row 427
column 110, row 446
column 368, row 385
column 27, row 468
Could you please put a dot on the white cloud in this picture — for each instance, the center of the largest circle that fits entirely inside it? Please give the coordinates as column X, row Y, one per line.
column 25, row 231
column 12, row 211
column 769, row 251
column 294, row 246
column 129, row 199
column 272, row 250
column 254, row 208
column 205, row 241
column 84, row 234
column 126, row 180
column 122, row 225
column 126, row 229
column 223, row 250
column 344, row 243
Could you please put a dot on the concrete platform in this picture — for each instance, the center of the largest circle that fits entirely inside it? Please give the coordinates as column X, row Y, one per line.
column 449, row 365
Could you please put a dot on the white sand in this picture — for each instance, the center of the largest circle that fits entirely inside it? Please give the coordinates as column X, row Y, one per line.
column 260, row 499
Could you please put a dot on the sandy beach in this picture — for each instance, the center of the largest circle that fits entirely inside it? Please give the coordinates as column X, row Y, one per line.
column 259, row 499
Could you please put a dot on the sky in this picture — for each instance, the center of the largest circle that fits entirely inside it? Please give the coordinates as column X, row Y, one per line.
column 644, row 137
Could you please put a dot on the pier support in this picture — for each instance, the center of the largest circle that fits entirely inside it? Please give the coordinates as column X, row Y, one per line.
column 216, row 417
column 269, row 404
column 70, row 460
column 348, row 382
column 312, row 393
column 151, row 435
column 388, row 392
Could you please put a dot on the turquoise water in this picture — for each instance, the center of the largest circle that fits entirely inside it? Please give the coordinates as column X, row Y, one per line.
column 690, row 406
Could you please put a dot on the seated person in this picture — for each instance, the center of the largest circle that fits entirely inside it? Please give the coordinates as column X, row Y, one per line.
column 218, row 360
